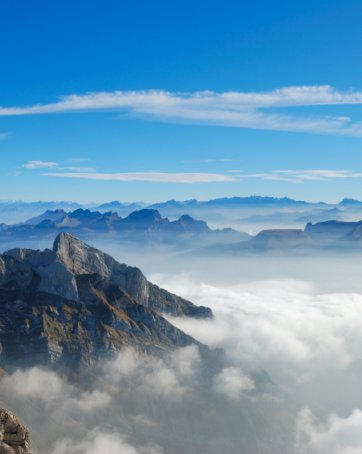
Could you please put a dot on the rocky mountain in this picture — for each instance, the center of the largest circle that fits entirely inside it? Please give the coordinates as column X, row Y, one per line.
column 75, row 305
column 14, row 436
column 141, row 225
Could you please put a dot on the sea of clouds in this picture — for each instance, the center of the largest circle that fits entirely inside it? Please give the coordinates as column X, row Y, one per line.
column 289, row 382
column 309, row 342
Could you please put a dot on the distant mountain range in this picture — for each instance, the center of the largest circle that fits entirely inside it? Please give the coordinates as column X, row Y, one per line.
column 115, row 205
column 241, row 213
column 320, row 225
column 20, row 206
column 120, row 207
column 256, row 212
column 329, row 236
column 132, row 206
column 147, row 226
column 233, row 202
column 143, row 225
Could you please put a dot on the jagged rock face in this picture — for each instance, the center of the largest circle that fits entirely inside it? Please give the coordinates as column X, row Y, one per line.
column 83, row 259
column 14, row 436
column 76, row 305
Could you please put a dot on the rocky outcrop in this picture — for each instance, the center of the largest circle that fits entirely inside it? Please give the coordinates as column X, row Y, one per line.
column 76, row 305
column 14, row 436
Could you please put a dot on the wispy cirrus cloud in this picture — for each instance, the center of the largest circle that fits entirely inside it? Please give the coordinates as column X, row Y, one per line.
column 300, row 176
column 286, row 175
column 153, row 177
column 57, row 166
column 256, row 110
column 39, row 164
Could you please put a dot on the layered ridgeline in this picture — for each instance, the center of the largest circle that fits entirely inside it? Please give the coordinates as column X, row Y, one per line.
column 322, row 236
column 145, row 225
column 75, row 304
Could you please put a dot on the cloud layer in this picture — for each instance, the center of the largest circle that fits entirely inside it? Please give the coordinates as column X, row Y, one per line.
column 101, row 443
column 279, row 325
column 337, row 436
column 307, row 341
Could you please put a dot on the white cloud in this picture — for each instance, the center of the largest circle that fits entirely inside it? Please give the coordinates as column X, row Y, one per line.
column 47, row 387
column 39, row 164
column 151, row 376
column 288, row 175
column 281, row 326
column 300, row 176
column 337, row 436
column 35, row 383
column 235, row 109
column 154, row 177
column 78, row 416
column 232, row 383
column 186, row 360
column 101, row 443
column 49, row 164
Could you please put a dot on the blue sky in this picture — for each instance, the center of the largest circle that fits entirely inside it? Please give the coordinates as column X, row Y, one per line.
column 140, row 100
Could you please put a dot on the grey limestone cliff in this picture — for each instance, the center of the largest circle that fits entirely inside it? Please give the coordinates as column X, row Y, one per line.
column 76, row 304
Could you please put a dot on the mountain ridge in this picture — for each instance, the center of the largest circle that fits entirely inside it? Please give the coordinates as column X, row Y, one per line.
column 75, row 304
column 146, row 224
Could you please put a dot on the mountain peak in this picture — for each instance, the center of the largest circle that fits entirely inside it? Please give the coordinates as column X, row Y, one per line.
column 79, row 257
column 64, row 243
column 146, row 214
column 350, row 202
column 77, row 285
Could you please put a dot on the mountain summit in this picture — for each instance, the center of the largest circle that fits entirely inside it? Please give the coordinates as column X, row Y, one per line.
column 76, row 304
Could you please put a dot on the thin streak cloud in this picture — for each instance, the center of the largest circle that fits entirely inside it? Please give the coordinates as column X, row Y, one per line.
column 153, row 177
column 39, row 164
column 255, row 110
column 287, row 175
column 300, row 176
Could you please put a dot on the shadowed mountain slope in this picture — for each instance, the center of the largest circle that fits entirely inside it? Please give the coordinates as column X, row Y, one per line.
column 75, row 304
